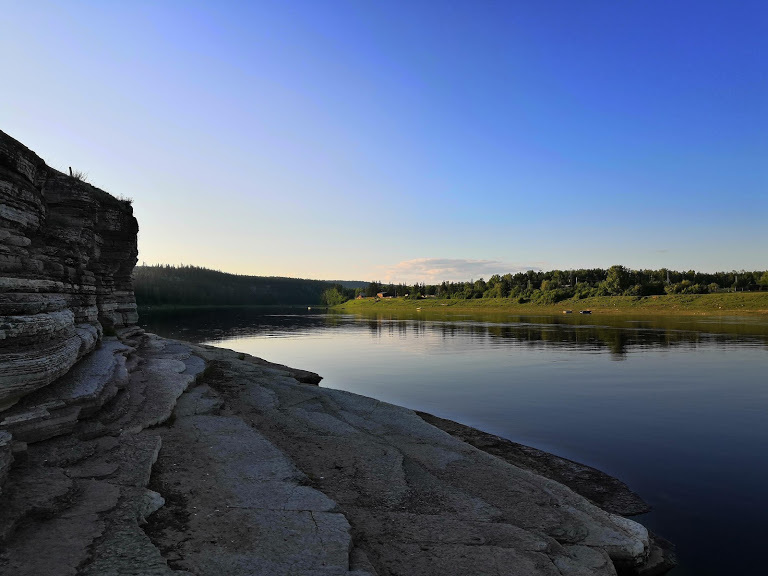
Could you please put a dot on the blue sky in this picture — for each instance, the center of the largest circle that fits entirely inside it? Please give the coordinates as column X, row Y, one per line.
column 407, row 141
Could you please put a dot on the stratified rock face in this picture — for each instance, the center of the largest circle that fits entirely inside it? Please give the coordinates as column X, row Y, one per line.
column 67, row 250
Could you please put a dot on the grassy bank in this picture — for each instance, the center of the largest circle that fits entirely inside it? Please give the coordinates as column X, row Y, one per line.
column 725, row 304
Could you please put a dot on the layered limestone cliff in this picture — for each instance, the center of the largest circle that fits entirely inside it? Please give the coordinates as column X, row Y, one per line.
column 67, row 250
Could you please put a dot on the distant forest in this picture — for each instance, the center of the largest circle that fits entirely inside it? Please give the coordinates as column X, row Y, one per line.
column 556, row 285
column 195, row 286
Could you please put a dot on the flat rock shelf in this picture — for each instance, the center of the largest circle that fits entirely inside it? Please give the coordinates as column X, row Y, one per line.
column 181, row 459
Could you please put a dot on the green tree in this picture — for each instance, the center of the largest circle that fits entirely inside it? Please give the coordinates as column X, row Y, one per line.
column 333, row 296
column 548, row 285
column 372, row 289
column 617, row 281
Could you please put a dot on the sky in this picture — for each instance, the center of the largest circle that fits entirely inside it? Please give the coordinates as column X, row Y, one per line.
column 407, row 141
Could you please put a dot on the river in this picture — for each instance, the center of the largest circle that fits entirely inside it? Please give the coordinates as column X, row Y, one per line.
column 676, row 408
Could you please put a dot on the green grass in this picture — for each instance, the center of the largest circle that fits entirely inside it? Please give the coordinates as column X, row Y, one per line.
column 725, row 304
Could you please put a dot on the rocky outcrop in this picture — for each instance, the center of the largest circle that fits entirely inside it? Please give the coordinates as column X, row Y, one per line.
column 67, row 250
column 332, row 481
column 75, row 502
column 6, row 457
column 607, row 492
column 209, row 461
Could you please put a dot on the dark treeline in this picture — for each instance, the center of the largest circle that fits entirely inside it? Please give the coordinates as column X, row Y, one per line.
column 195, row 286
column 556, row 285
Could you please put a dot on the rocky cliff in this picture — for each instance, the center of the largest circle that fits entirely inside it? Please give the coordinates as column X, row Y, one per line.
column 67, row 250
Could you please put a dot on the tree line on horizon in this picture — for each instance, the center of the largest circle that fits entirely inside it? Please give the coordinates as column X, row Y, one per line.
column 549, row 287
column 164, row 284
column 196, row 286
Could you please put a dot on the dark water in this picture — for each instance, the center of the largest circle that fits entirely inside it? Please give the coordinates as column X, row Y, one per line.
column 677, row 408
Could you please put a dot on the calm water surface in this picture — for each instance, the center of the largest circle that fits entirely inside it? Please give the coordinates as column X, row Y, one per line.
column 677, row 408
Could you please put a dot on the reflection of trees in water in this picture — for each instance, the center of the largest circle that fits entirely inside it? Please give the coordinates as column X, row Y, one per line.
column 403, row 329
column 617, row 340
column 215, row 324
column 199, row 325
column 574, row 336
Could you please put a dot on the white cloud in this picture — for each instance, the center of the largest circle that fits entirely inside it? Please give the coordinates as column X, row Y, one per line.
column 436, row 270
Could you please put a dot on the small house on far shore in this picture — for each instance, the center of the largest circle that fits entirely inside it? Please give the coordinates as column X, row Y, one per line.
column 384, row 294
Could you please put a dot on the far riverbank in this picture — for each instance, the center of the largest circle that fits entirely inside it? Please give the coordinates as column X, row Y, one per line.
column 725, row 304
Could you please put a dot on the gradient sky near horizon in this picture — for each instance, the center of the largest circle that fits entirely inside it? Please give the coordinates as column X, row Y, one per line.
column 407, row 140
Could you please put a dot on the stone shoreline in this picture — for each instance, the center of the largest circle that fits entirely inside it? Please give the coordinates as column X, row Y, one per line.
column 607, row 492
column 186, row 459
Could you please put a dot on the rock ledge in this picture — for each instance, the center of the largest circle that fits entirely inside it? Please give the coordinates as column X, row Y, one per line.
column 201, row 460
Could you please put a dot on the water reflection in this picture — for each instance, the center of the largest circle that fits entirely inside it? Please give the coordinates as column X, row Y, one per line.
column 615, row 334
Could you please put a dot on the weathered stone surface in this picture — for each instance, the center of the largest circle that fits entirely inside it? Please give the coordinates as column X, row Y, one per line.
column 6, row 456
column 63, row 540
column 606, row 491
column 252, row 500
column 200, row 400
column 76, row 504
column 67, row 250
column 151, row 503
column 56, row 409
column 143, row 403
column 28, row 368
column 32, row 491
column 256, row 473
column 89, row 384
column 420, row 501
column 41, row 423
